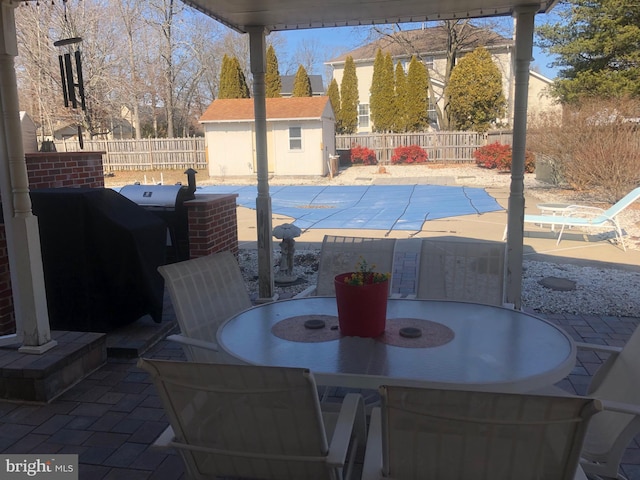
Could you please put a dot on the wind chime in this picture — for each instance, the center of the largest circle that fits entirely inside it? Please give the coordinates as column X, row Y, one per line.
column 71, row 74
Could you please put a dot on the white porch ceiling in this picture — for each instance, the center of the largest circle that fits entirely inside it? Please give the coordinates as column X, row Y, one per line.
column 299, row 14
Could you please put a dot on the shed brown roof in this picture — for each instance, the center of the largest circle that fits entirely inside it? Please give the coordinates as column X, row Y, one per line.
column 427, row 41
column 238, row 109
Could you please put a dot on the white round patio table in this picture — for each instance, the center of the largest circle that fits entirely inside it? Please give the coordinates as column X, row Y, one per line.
column 492, row 348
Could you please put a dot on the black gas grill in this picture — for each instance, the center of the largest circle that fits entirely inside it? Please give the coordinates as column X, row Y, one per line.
column 167, row 202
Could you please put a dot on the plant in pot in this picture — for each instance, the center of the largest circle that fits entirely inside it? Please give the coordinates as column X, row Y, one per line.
column 361, row 298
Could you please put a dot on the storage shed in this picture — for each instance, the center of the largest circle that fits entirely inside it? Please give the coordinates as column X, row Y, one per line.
column 300, row 136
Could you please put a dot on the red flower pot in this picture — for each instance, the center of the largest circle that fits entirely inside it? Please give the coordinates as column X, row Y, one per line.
column 362, row 309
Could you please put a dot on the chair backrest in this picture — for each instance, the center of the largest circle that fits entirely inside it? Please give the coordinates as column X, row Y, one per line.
column 471, row 271
column 341, row 254
column 616, row 380
column 205, row 291
column 243, row 421
column 623, row 203
column 449, row 434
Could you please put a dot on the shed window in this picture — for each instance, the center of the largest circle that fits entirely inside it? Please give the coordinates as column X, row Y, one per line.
column 295, row 138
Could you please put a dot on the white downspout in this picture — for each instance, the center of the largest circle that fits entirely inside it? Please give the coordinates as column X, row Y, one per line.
column 525, row 17
column 21, row 226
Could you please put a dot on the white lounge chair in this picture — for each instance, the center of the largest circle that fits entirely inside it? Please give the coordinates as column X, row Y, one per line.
column 244, row 421
column 341, row 254
column 471, row 271
column 585, row 216
column 452, row 434
column 204, row 291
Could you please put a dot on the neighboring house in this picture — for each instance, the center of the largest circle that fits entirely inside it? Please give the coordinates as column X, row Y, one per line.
column 317, row 89
column 300, row 136
column 431, row 45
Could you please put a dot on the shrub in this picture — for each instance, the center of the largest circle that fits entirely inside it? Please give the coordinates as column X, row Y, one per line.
column 593, row 146
column 498, row 155
column 410, row 154
column 363, row 155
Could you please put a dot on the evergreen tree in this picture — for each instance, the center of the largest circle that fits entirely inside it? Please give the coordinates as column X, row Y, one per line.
column 242, row 86
column 301, row 84
column 597, row 46
column 400, row 122
column 272, row 75
column 382, row 99
column 334, row 97
column 232, row 81
column 476, row 99
column 417, row 96
column 224, row 84
column 349, row 98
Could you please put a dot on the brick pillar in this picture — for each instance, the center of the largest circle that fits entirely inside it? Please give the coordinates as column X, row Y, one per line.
column 213, row 224
column 65, row 169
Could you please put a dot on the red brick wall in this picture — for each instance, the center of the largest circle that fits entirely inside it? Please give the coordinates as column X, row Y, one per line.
column 71, row 169
column 7, row 320
column 213, row 224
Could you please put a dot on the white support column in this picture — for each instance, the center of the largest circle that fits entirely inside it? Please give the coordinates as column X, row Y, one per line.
column 258, row 54
column 23, row 238
column 525, row 17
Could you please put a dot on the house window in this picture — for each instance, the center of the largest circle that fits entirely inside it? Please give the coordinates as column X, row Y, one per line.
column 431, row 112
column 295, row 138
column 428, row 61
column 363, row 115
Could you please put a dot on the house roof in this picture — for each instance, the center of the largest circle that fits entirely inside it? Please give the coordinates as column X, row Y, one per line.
column 425, row 41
column 241, row 109
column 288, row 80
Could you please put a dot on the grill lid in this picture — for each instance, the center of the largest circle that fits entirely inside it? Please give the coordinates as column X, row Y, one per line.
column 165, row 196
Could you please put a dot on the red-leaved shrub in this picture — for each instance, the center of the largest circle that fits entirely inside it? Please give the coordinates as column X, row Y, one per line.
column 363, row 155
column 498, row 155
column 410, row 154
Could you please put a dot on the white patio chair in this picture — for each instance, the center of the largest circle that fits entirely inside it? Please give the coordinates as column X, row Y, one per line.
column 244, row 421
column 341, row 254
column 421, row 433
column 463, row 270
column 204, row 291
column 615, row 383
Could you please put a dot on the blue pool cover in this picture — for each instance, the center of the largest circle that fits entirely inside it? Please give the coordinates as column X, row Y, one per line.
column 375, row 207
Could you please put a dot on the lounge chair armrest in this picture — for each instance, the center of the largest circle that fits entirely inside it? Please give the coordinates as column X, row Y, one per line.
column 307, row 292
column 593, row 347
column 620, row 407
column 372, row 467
column 351, row 424
column 193, row 342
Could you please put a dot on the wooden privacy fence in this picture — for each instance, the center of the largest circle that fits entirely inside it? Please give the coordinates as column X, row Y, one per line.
column 457, row 147
column 179, row 153
column 145, row 154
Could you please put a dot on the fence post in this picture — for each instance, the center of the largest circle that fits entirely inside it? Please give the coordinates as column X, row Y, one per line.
column 150, row 154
